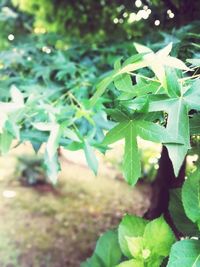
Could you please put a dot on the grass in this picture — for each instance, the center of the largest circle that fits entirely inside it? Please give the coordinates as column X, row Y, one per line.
column 57, row 230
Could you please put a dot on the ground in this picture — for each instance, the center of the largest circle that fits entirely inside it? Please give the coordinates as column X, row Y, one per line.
column 40, row 227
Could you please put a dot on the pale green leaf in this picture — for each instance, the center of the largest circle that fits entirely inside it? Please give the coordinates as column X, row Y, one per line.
column 131, row 263
column 132, row 67
column 71, row 135
column 43, row 126
column 164, row 52
column 159, row 71
column 52, row 167
column 142, row 48
column 130, row 226
column 159, row 237
column 5, row 142
column 178, row 126
column 173, row 86
column 185, row 253
column 3, row 119
column 135, row 246
column 16, row 95
column 90, row 157
column 174, row 62
column 194, row 61
column 53, row 140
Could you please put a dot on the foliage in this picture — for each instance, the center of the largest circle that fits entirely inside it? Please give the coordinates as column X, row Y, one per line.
column 185, row 252
column 101, row 20
column 160, row 105
column 48, row 96
column 30, row 170
column 46, row 91
column 138, row 243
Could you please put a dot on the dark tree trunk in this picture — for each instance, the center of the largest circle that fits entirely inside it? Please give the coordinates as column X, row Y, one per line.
column 165, row 180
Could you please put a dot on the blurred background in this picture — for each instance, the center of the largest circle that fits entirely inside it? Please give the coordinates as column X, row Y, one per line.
column 51, row 48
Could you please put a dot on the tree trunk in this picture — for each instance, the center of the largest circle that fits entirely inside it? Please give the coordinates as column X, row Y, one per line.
column 165, row 180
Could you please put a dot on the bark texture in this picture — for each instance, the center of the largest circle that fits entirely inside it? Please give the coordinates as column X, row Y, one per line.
column 165, row 180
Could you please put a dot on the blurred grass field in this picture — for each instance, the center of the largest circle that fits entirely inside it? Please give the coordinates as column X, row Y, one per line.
column 45, row 227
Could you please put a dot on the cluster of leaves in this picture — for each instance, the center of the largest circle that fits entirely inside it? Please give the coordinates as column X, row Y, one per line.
column 97, row 19
column 133, row 244
column 158, row 100
column 165, row 98
column 141, row 243
column 45, row 97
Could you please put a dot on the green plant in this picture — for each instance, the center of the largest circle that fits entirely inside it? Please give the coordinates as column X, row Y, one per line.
column 135, row 240
column 151, row 95
column 30, row 170
column 159, row 104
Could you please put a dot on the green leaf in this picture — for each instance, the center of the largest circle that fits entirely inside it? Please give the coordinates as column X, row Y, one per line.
column 131, row 161
column 154, row 132
column 142, row 48
column 181, row 221
column 130, row 226
column 90, row 157
column 16, row 95
column 122, row 82
column 157, row 62
column 195, row 124
column 134, row 58
column 191, row 196
column 178, row 125
column 5, row 142
column 173, row 86
column 194, row 61
column 117, row 114
column 161, row 103
column 71, row 135
column 53, row 140
column 139, row 104
column 94, row 261
column 135, row 246
column 107, row 252
column 185, row 253
column 192, row 95
column 130, row 130
column 101, row 88
column 51, row 157
column 131, row 263
column 159, row 237
column 52, row 167
column 140, row 89
column 116, row 133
